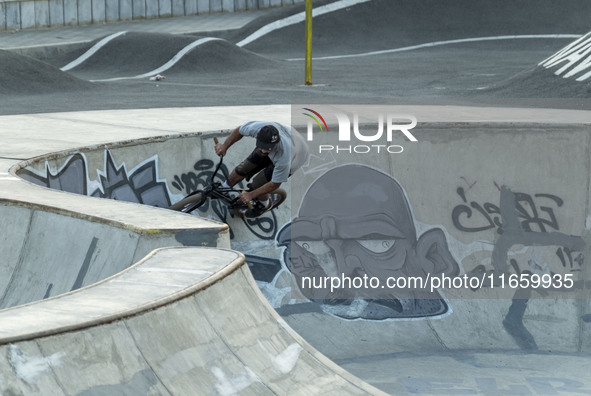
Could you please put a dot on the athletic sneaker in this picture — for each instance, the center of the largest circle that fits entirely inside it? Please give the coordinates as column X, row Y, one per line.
column 258, row 209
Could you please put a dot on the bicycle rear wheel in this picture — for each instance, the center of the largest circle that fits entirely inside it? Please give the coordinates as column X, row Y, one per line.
column 189, row 203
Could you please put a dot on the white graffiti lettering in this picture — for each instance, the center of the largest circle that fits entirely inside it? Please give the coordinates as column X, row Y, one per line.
column 574, row 59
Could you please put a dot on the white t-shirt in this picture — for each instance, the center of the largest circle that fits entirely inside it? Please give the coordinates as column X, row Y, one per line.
column 287, row 158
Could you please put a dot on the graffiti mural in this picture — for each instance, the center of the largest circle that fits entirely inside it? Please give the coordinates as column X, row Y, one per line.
column 330, row 232
column 139, row 185
column 535, row 212
column 518, row 221
column 143, row 185
column 527, row 222
column 71, row 177
column 357, row 221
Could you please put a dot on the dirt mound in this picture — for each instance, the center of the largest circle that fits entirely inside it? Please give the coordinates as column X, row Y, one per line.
column 21, row 74
column 542, row 83
column 137, row 53
column 221, row 56
column 563, row 74
column 134, row 53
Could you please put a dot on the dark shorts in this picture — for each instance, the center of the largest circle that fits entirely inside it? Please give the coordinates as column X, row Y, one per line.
column 253, row 164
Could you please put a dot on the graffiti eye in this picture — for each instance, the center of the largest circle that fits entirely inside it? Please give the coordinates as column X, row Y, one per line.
column 377, row 245
column 314, row 247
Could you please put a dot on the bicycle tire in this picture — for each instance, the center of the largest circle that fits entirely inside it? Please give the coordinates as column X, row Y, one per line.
column 189, row 203
column 282, row 196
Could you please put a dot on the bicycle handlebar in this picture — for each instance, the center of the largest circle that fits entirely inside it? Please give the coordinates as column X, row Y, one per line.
column 216, row 141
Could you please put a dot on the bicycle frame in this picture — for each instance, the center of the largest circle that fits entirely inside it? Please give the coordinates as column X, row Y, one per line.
column 214, row 190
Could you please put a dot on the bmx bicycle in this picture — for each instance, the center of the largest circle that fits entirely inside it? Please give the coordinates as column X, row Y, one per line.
column 228, row 196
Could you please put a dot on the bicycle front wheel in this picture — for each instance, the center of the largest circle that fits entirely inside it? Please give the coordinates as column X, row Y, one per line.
column 189, row 203
column 278, row 196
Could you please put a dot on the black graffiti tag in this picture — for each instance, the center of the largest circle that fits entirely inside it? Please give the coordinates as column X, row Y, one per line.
column 533, row 212
column 191, row 181
column 515, row 225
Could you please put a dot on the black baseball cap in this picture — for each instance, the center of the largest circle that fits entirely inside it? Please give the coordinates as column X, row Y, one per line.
column 267, row 137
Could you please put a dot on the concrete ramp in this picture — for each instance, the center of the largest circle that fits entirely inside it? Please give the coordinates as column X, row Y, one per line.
column 182, row 321
column 48, row 251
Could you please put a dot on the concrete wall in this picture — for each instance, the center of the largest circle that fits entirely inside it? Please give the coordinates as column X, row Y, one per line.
column 442, row 181
column 154, row 172
column 456, row 180
column 34, row 14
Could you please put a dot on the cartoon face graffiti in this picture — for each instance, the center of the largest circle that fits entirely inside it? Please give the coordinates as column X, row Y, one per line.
column 355, row 224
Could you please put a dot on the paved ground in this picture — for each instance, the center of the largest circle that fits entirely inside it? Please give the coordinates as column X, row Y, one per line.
column 218, row 73
column 423, row 62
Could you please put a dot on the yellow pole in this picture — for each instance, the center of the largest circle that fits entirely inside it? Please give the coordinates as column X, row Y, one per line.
column 308, row 42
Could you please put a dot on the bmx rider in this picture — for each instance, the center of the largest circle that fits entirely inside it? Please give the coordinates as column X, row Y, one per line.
column 279, row 151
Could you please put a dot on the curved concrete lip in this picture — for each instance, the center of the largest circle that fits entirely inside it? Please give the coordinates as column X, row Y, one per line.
column 164, row 276
column 45, row 133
